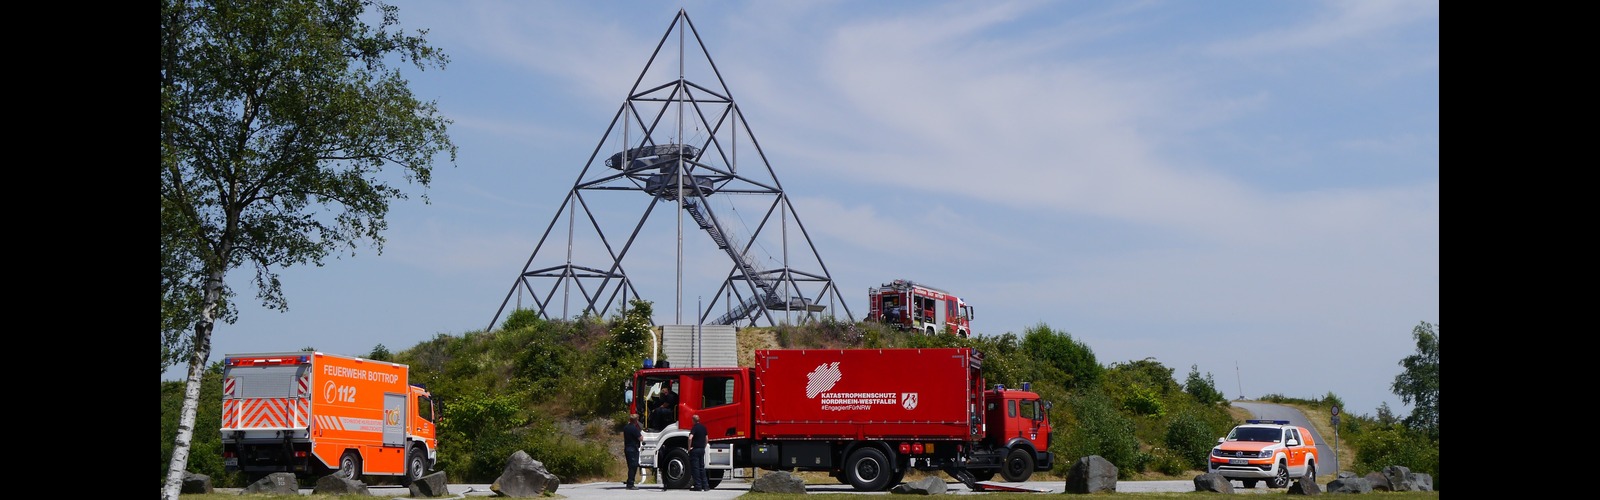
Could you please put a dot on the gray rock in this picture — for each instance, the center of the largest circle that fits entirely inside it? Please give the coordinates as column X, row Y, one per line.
column 1092, row 474
column 1423, row 480
column 1305, row 485
column 335, row 485
column 1379, row 481
column 1400, row 478
column 1213, row 482
column 930, row 485
column 195, row 483
column 429, row 486
column 1350, row 485
column 778, row 482
column 277, row 483
column 525, row 477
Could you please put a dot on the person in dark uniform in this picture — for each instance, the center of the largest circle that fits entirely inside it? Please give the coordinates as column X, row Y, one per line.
column 697, row 456
column 630, row 447
column 665, row 412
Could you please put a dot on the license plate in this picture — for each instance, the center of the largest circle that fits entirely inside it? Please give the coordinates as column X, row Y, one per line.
column 230, row 462
column 1238, row 461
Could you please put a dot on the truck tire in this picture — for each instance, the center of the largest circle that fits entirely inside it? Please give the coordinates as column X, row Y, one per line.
column 349, row 466
column 1018, row 466
column 1249, row 483
column 868, row 469
column 675, row 471
column 1281, row 480
column 416, row 466
column 981, row 475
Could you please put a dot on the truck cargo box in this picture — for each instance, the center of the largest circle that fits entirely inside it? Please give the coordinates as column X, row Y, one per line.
column 828, row 394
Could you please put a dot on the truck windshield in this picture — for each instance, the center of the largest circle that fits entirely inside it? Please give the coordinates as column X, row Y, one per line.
column 1261, row 434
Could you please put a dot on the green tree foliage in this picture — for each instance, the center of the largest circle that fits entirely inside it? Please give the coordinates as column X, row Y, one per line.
column 1203, row 390
column 1060, row 357
column 1190, row 438
column 1096, row 427
column 380, row 353
column 278, row 120
column 1418, row 384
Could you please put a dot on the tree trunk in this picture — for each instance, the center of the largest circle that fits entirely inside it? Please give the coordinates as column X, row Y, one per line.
column 191, row 391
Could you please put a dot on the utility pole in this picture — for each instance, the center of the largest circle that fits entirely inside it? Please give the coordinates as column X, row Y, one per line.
column 1238, row 379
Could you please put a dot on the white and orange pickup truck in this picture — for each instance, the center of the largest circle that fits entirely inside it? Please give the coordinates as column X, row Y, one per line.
column 1271, row 450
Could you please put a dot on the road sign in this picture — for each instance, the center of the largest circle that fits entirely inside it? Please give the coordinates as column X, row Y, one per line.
column 1336, row 411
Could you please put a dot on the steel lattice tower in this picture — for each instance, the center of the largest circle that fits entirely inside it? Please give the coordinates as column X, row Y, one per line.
column 677, row 145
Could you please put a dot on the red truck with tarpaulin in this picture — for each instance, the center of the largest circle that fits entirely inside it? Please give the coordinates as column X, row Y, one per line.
column 865, row 416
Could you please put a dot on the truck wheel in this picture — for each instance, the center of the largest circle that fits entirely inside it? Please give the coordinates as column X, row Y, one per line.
column 1281, row 480
column 1311, row 470
column 868, row 469
column 981, row 475
column 1018, row 466
column 349, row 466
column 675, row 473
column 416, row 467
column 1249, row 483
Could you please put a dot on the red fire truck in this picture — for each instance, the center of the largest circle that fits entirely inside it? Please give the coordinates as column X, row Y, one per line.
column 865, row 416
column 910, row 306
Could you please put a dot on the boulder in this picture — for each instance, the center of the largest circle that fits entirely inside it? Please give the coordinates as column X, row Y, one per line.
column 1213, row 482
column 1350, row 484
column 1423, row 480
column 277, row 483
column 1400, row 478
column 524, row 477
column 335, row 485
column 778, row 482
column 195, row 483
column 430, row 486
column 930, row 485
column 1305, row 485
column 1092, row 474
column 1379, row 481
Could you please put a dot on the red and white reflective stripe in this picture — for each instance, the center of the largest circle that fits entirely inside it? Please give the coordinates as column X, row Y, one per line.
column 228, row 385
column 330, row 423
column 268, row 413
column 305, row 385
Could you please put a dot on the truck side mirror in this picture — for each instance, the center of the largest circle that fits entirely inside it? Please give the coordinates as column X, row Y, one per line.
column 1292, row 442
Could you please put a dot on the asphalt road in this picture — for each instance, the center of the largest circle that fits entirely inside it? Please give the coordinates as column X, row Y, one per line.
column 1325, row 452
column 732, row 488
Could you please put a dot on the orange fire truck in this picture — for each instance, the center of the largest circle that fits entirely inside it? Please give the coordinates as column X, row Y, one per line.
column 911, row 306
column 314, row 414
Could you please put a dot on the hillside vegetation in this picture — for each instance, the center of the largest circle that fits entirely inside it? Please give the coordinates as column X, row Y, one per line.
column 554, row 389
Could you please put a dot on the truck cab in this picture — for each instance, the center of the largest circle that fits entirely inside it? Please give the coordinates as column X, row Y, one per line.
column 1018, row 426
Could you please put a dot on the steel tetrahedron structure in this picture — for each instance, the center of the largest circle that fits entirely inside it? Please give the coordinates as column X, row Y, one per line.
column 678, row 147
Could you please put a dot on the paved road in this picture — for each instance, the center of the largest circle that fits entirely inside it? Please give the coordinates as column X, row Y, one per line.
column 1325, row 452
column 735, row 487
column 732, row 488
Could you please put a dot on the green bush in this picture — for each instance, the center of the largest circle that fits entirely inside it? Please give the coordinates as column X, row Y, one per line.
column 1099, row 429
column 1190, row 439
column 1171, row 462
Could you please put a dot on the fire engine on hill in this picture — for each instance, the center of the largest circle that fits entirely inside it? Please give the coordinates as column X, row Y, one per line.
column 910, row 306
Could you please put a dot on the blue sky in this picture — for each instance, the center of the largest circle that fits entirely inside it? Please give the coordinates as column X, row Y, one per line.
column 1249, row 187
